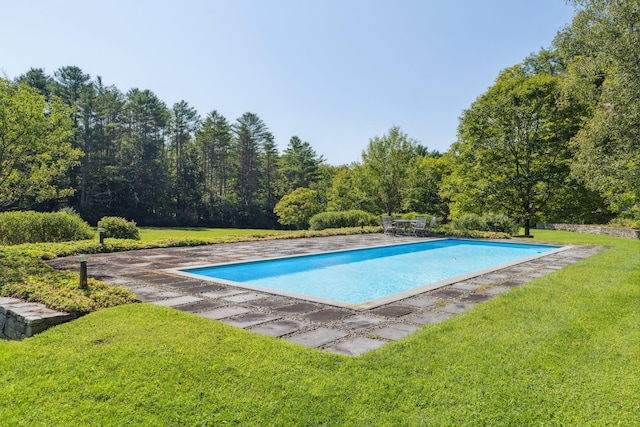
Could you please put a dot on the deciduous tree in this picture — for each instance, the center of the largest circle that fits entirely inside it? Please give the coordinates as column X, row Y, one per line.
column 513, row 155
column 297, row 207
column 35, row 145
column 386, row 169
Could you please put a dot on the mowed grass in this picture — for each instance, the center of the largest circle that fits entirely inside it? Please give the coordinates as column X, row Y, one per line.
column 561, row 350
column 150, row 234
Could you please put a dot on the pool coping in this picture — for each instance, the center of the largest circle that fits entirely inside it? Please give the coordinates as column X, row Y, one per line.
column 377, row 302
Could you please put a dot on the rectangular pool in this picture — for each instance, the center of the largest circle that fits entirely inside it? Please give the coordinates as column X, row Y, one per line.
column 366, row 278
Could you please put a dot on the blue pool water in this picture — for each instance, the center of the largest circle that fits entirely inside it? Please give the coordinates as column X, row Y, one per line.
column 358, row 276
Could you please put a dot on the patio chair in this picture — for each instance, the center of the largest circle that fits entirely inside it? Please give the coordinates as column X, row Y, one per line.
column 421, row 228
column 387, row 225
column 419, row 225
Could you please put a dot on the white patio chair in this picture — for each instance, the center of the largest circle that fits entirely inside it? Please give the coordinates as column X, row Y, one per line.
column 387, row 225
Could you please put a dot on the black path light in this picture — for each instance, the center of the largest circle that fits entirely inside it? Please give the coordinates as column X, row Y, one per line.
column 83, row 258
column 101, row 230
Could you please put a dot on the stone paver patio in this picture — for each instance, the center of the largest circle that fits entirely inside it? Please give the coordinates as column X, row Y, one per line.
column 312, row 324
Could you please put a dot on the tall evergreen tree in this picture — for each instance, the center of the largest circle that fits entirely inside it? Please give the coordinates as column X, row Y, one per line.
column 37, row 79
column 71, row 85
column 300, row 164
column 183, row 123
column 144, row 168
column 249, row 135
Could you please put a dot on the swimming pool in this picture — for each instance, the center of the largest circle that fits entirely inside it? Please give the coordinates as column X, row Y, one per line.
column 366, row 278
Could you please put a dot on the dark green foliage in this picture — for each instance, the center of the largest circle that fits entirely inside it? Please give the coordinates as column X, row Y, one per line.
column 119, row 228
column 34, row 227
column 487, row 222
column 352, row 218
column 628, row 218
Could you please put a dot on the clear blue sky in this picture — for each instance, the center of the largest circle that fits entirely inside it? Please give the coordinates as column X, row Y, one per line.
column 334, row 72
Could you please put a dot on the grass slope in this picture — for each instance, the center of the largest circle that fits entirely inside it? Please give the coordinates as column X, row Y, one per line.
column 562, row 350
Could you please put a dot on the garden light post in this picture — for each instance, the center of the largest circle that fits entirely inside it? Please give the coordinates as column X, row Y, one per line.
column 83, row 258
column 101, row 231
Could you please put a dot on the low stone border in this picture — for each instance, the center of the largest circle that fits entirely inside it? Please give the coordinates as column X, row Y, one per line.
column 20, row 319
column 593, row 229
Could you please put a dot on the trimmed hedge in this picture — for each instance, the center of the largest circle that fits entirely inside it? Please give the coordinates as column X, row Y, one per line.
column 35, row 227
column 119, row 228
column 342, row 219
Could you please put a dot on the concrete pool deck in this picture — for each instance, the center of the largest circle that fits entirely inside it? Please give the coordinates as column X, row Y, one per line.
column 312, row 324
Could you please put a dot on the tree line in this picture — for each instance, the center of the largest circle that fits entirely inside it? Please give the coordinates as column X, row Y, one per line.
column 556, row 138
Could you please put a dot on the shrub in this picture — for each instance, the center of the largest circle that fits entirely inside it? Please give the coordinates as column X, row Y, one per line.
column 500, row 223
column 34, row 227
column 342, row 219
column 629, row 218
column 488, row 222
column 119, row 228
column 297, row 207
column 469, row 222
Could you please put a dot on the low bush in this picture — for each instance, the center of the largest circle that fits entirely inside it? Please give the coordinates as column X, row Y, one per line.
column 34, row 227
column 489, row 222
column 629, row 218
column 342, row 219
column 119, row 228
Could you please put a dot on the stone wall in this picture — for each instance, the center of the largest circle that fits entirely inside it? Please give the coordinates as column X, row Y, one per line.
column 20, row 319
column 593, row 229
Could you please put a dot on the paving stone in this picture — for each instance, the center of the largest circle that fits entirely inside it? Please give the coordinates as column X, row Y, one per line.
column 359, row 322
column 327, row 315
column 201, row 305
column 495, row 277
column 168, row 280
column 393, row 310
column 356, row 346
column 148, row 294
column 298, row 308
column 396, row 331
column 266, row 301
column 317, row 337
column 223, row 312
column 429, row 317
column 420, row 301
column 456, row 308
column 481, row 281
column 8, row 300
column 496, row 290
column 515, row 282
column 465, row 286
column 476, row 298
column 249, row 319
column 243, row 297
column 196, row 288
column 225, row 292
column 172, row 302
column 278, row 328
column 447, row 293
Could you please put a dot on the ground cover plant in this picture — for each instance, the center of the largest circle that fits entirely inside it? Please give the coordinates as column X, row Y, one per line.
column 561, row 350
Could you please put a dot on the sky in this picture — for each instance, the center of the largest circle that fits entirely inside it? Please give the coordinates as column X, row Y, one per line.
column 335, row 73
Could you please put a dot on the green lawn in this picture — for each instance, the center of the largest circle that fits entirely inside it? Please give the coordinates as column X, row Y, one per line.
column 149, row 234
column 561, row 350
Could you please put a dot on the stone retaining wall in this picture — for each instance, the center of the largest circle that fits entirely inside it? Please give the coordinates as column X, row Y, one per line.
column 593, row 229
column 20, row 319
